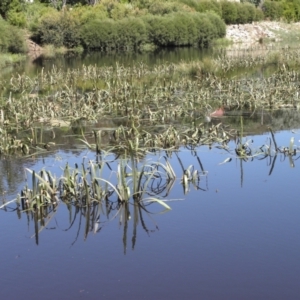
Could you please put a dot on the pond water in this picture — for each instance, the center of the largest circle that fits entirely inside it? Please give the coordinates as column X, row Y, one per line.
column 231, row 235
column 234, row 238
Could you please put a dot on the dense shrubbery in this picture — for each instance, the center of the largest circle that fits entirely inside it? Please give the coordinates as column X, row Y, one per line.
column 59, row 29
column 240, row 13
column 115, row 24
column 110, row 34
column 288, row 10
column 11, row 38
column 176, row 29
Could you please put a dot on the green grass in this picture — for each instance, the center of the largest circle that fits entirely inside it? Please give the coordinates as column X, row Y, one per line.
column 8, row 59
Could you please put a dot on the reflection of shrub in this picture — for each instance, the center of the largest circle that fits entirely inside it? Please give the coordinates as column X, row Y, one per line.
column 59, row 29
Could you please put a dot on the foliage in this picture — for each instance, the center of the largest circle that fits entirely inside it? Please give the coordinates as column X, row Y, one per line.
column 273, row 10
column 59, row 29
column 158, row 7
column 229, row 12
column 7, row 5
column 99, row 34
column 218, row 24
column 108, row 34
column 254, row 2
column 11, row 39
column 209, row 5
column 176, row 29
column 289, row 10
column 86, row 13
column 179, row 29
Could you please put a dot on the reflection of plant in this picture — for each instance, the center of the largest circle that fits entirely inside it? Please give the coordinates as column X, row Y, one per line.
column 92, row 195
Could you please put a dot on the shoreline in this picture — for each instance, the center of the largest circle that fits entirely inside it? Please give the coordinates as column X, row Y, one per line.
column 249, row 35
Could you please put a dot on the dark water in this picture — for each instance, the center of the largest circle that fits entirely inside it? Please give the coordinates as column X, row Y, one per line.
column 237, row 238
column 161, row 56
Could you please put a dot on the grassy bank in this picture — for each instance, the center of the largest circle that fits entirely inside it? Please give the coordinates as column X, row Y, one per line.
column 8, row 59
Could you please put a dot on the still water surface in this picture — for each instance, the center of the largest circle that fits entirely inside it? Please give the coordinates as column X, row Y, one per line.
column 238, row 238
column 235, row 238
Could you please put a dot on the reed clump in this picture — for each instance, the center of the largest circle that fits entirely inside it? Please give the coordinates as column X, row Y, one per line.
column 161, row 107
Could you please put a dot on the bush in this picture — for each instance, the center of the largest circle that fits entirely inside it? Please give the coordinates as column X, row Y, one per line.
column 218, row 24
column 131, row 33
column 272, row 10
column 243, row 14
column 59, row 29
column 108, row 34
column 209, row 5
column 98, row 34
column 206, row 30
column 259, row 15
column 16, row 18
column 11, row 39
column 87, row 12
column 291, row 10
column 180, row 29
column 162, row 31
column 229, row 12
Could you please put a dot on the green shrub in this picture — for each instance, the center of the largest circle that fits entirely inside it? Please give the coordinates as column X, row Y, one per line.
column 229, row 12
column 131, row 33
column 272, row 10
column 259, row 15
column 109, row 34
column 182, row 29
column 291, row 10
column 11, row 38
column 10, row 5
column 206, row 30
column 162, row 8
column 186, row 30
column 162, row 31
column 218, row 24
column 16, row 18
column 99, row 34
column 84, row 13
column 34, row 13
column 59, row 29
column 209, row 5
column 243, row 14
column 251, row 11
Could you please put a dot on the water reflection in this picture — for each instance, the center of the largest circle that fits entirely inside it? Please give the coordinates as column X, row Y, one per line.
column 190, row 172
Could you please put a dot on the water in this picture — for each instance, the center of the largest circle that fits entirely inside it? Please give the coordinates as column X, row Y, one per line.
column 233, row 237
column 237, row 238
column 161, row 56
